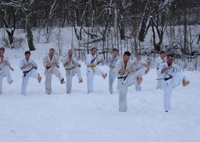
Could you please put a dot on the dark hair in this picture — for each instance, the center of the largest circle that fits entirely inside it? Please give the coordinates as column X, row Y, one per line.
column 52, row 49
column 127, row 53
column 27, row 52
column 115, row 49
column 170, row 55
column 161, row 52
column 93, row 48
column 70, row 50
column 2, row 48
column 139, row 54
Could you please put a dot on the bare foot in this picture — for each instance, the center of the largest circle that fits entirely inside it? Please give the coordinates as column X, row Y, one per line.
column 139, row 80
column 185, row 83
column 105, row 75
column 81, row 81
column 63, row 82
column 11, row 81
column 39, row 79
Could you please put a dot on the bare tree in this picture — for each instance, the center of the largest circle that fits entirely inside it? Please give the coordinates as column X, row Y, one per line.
column 155, row 15
column 8, row 16
column 27, row 9
column 48, row 21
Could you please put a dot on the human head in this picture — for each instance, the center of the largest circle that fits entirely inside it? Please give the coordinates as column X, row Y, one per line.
column 27, row 54
column 51, row 52
column 126, row 56
column 139, row 56
column 2, row 51
column 93, row 51
column 2, row 48
column 70, row 52
column 162, row 54
column 115, row 52
column 170, row 59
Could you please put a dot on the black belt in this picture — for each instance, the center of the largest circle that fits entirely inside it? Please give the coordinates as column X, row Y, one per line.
column 48, row 68
column 122, row 77
column 167, row 78
column 170, row 76
column 25, row 72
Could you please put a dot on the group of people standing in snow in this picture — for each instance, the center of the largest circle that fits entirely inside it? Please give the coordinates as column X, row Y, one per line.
column 126, row 71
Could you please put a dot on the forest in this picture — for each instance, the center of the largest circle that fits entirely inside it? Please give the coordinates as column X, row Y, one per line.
column 141, row 26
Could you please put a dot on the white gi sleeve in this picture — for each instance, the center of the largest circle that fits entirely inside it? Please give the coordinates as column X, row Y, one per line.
column 178, row 69
column 118, row 67
column 45, row 61
column 56, row 61
column 64, row 60
column 33, row 64
column 106, row 62
column 75, row 62
column 7, row 62
column 162, row 66
column 157, row 60
column 88, row 59
column 21, row 63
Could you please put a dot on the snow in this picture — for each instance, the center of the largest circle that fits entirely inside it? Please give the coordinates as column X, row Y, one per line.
column 82, row 117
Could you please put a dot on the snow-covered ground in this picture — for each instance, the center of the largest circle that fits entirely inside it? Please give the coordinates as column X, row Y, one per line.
column 82, row 117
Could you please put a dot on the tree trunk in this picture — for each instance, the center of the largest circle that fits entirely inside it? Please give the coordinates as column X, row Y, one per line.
column 185, row 28
column 10, row 34
column 29, row 35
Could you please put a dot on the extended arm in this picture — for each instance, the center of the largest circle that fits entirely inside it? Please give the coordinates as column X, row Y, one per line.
column 126, row 70
column 68, row 62
column 100, row 61
column 148, row 68
column 164, row 69
column 24, row 66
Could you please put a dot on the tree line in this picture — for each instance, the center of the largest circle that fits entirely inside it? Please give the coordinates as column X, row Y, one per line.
column 104, row 20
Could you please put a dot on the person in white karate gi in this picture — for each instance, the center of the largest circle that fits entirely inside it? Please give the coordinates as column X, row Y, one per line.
column 91, row 62
column 29, row 67
column 127, row 76
column 141, row 66
column 172, row 78
column 5, row 68
column 51, row 65
column 110, row 61
column 159, row 60
column 72, row 68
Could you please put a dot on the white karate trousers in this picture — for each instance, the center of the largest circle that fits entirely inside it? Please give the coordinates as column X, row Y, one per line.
column 5, row 71
column 168, row 86
column 141, row 73
column 34, row 74
column 69, row 77
column 48, row 78
column 137, row 86
column 112, row 77
column 90, row 77
column 159, row 82
column 123, row 89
